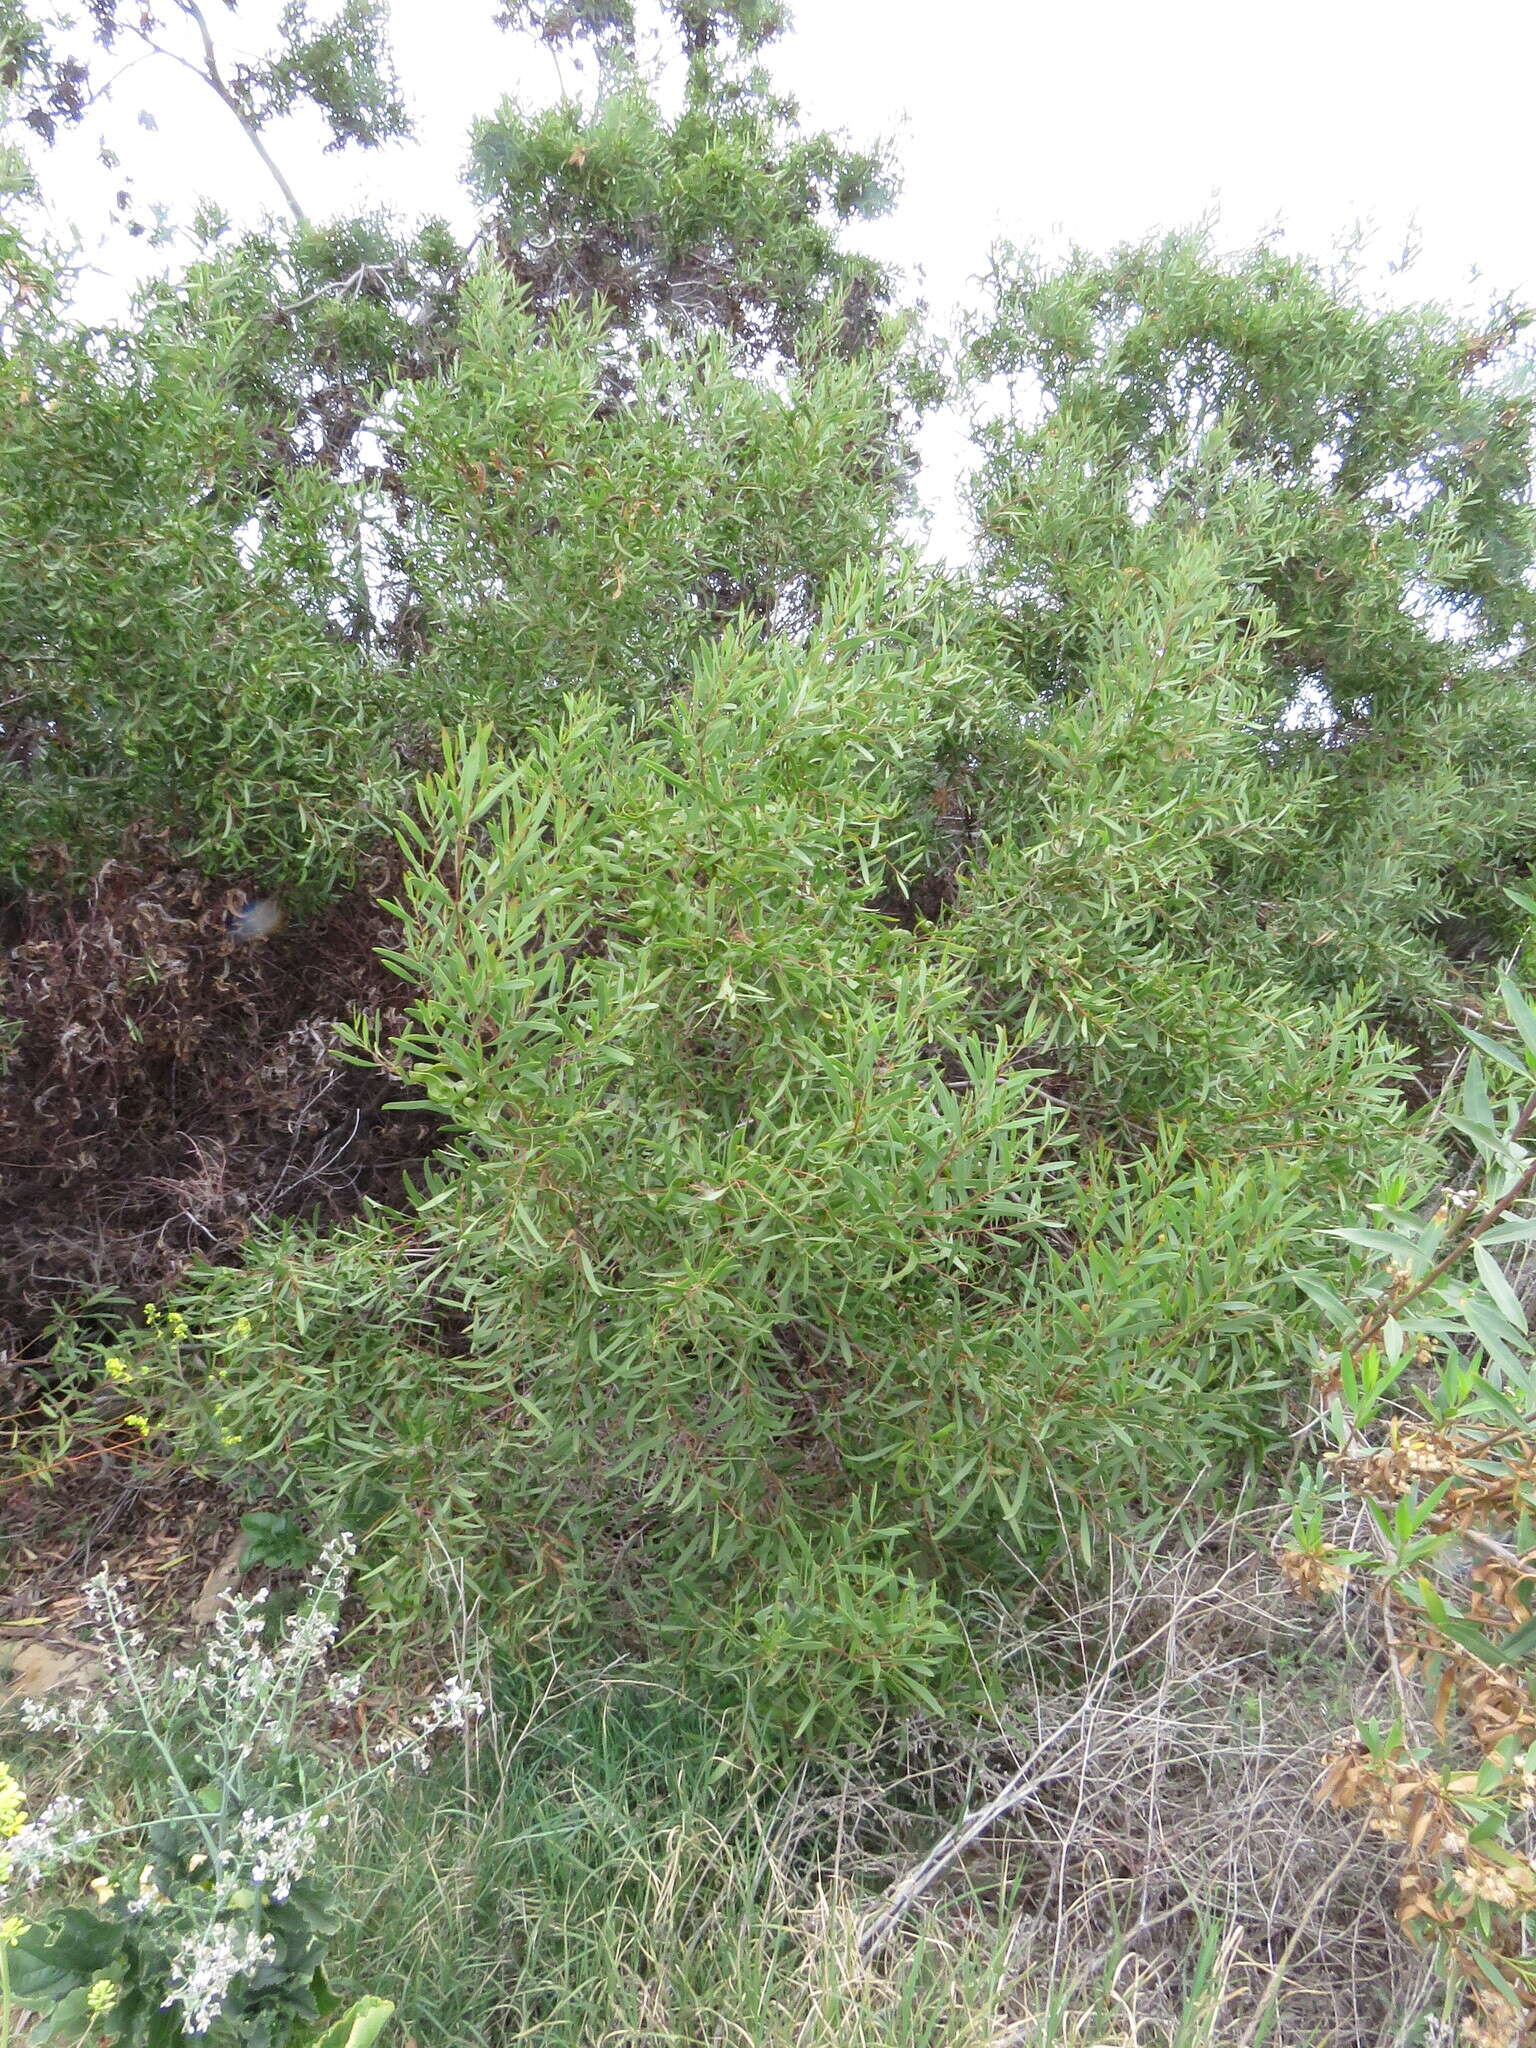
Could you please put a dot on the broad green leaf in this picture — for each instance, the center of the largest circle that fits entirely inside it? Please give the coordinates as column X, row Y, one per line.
column 358, row 2027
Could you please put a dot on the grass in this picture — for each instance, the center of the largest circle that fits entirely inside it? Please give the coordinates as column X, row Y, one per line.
column 608, row 1873
column 605, row 1871
column 1127, row 1854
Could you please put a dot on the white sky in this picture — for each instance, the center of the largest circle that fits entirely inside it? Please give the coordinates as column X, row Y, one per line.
column 1094, row 123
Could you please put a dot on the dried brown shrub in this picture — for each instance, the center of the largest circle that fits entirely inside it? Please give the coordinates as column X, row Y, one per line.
column 165, row 1086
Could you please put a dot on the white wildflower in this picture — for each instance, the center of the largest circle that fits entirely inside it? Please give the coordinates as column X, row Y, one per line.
column 337, row 1553
column 42, row 1844
column 255, row 1678
column 207, row 1964
column 450, row 1707
column 71, row 1712
column 108, row 1605
column 105, row 1596
column 279, row 1848
column 38, row 1716
column 405, row 1746
column 308, row 1635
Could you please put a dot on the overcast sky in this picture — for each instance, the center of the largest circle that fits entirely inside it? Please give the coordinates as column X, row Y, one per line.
column 1105, row 121
column 1055, row 123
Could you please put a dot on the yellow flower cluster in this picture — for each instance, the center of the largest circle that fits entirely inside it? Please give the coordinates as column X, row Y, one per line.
column 13, row 1816
column 176, row 1326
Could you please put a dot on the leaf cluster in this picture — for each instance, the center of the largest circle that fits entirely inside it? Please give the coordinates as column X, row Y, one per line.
column 1424, row 1384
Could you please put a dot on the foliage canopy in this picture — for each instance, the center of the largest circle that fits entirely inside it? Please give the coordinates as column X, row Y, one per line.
column 885, row 1036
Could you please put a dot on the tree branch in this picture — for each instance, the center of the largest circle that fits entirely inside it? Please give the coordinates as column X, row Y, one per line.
column 212, row 76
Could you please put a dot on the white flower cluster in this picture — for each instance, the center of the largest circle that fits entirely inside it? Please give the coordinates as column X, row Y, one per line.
column 71, row 1713
column 207, row 1964
column 249, row 1675
column 336, row 1555
column 107, row 1603
column 308, row 1635
column 450, row 1707
column 235, row 1658
column 278, row 1849
column 40, row 1845
column 242, row 1700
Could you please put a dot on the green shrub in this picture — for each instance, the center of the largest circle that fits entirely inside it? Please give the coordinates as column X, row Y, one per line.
column 1259, row 554
column 247, row 648
column 765, row 1309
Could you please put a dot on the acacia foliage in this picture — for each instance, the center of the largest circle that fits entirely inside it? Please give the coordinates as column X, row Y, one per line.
column 333, row 489
column 226, row 622
column 1341, row 496
column 769, row 1307
column 891, row 1033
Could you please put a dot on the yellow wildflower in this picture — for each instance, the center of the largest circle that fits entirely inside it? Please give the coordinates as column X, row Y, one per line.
column 12, row 1928
column 13, row 1809
column 13, row 1817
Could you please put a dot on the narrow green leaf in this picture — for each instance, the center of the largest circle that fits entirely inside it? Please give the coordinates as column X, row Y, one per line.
column 1519, row 1011
column 1499, row 1338
column 1322, row 1295
column 1505, row 1055
column 1497, row 1283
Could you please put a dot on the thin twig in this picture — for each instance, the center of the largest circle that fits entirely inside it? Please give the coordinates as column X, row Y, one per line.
column 1325, row 1884
column 208, row 71
column 1030, row 1778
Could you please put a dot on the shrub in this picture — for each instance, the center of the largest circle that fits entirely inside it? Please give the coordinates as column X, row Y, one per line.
column 766, row 1309
column 1259, row 559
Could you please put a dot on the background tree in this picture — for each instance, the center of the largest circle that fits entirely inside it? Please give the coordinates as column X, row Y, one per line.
column 1258, row 562
column 340, row 66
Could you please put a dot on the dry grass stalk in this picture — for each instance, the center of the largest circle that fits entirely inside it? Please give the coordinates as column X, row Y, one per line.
column 1149, row 1813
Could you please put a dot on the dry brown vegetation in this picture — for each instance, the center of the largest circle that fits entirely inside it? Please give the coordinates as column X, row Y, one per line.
column 168, row 1086
column 1144, row 1815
